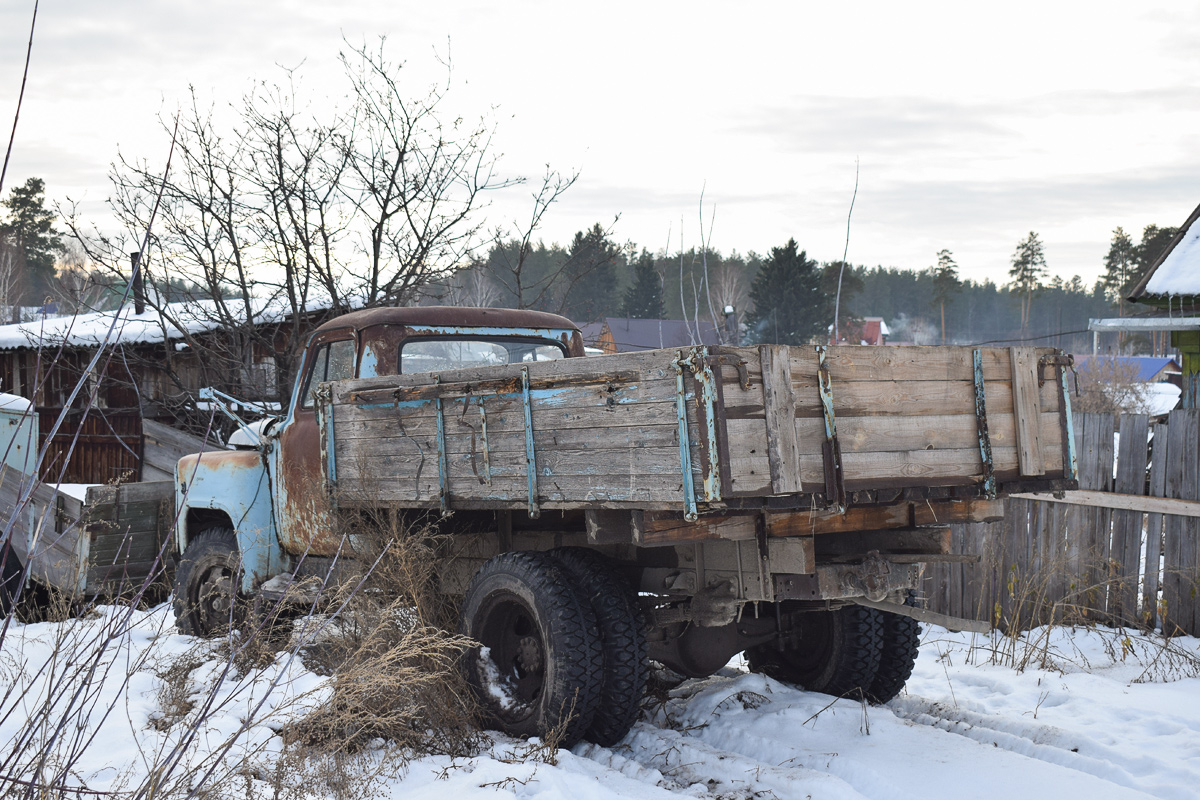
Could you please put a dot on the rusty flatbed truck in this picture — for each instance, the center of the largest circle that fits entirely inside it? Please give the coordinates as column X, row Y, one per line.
column 679, row 505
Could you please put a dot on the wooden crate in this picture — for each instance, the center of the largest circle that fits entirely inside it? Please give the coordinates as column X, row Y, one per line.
column 697, row 429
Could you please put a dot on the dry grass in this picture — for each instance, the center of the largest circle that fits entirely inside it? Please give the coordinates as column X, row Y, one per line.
column 391, row 653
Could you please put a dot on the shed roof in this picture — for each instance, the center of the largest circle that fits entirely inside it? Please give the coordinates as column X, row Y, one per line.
column 632, row 335
column 1177, row 271
column 1149, row 368
column 178, row 319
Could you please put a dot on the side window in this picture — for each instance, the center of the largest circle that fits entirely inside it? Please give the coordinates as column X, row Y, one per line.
column 333, row 361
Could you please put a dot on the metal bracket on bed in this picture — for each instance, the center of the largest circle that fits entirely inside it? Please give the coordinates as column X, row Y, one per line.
column 443, row 471
column 985, row 441
column 530, row 458
column 685, row 444
column 831, row 451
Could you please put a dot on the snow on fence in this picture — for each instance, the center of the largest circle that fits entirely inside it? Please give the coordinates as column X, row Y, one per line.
column 1124, row 549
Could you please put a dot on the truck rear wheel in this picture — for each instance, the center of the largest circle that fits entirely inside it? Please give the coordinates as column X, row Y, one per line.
column 539, row 668
column 901, row 639
column 208, row 597
column 838, row 652
column 622, row 637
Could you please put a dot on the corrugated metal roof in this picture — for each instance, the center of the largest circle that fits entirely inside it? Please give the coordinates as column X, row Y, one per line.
column 1148, row 367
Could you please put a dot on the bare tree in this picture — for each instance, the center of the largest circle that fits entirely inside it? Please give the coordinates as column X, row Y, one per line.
column 1110, row 386
column 295, row 213
column 472, row 286
column 512, row 248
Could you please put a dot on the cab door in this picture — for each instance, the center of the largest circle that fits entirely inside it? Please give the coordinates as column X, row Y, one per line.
column 302, row 503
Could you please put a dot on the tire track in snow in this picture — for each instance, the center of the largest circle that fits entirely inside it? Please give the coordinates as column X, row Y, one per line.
column 750, row 737
column 1050, row 744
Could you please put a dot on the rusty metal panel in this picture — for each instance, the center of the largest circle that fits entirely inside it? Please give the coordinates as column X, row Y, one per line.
column 237, row 483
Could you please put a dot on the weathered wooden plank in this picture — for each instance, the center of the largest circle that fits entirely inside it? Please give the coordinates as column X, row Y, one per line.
column 1027, row 410
column 651, row 365
column 1152, row 579
column 369, row 486
column 663, row 528
column 903, row 364
column 939, row 432
column 779, row 408
column 506, row 416
column 1187, row 614
column 1173, row 581
column 906, row 541
column 1127, row 525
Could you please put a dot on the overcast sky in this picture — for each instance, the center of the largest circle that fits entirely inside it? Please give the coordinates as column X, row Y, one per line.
column 973, row 124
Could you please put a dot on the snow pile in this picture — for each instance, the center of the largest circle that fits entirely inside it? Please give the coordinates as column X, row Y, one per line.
column 1093, row 713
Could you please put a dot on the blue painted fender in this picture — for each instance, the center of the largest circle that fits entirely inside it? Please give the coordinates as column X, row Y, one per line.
column 237, row 483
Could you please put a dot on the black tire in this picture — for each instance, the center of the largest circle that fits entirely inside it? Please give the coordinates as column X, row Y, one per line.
column 838, row 652
column 10, row 580
column 544, row 667
column 622, row 637
column 208, row 584
column 901, row 640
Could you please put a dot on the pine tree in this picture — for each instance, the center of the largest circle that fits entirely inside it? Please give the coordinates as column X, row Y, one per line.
column 591, row 276
column 789, row 306
column 945, row 284
column 644, row 297
column 30, row 229
column 1119, row 268
column 1028, row 269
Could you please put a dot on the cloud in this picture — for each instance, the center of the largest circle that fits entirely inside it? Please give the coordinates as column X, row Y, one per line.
column 875, row 124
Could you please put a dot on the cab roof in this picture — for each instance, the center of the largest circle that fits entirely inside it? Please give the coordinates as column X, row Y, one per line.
column 449, row 316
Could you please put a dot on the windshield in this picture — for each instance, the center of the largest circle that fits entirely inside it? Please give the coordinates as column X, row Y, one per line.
column 428, row 355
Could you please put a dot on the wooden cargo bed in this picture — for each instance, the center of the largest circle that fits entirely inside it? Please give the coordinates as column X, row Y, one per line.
column 702, row 429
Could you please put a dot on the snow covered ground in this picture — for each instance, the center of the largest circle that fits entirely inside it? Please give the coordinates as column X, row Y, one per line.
column 1095, row 713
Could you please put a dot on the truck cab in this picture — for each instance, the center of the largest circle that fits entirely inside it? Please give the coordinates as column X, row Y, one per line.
column 270, row 500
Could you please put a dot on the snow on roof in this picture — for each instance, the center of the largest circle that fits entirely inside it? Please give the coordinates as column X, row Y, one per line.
column 1179, row 272
column 178, row 319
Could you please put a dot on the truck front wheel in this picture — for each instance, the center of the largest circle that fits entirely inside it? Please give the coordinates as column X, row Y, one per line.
column 837, row 652
column 539, row 668
column 207, row 584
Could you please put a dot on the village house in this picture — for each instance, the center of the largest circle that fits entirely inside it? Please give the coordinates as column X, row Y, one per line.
column 1170, row 291
column 150, row 372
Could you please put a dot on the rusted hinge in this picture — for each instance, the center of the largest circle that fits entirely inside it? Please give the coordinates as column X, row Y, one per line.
column 1065, row 360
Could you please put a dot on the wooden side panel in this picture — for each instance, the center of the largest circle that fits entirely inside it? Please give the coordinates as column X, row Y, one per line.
column 599, row 437
column 50, row 522
column 127, row 527
column 163, row 446
column 779, row 409
column 1027, row 408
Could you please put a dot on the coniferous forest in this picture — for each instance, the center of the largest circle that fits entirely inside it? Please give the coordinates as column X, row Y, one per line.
column 786, row 295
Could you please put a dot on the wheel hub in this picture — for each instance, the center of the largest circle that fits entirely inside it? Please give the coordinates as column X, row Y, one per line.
column 529, row 656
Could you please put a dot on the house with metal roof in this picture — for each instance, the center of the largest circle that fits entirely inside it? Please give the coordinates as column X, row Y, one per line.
column 1170, row 292
column 625, row 335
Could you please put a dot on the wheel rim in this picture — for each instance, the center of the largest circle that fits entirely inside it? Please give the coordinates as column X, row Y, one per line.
column 510, row 631
column 214, row 598
column 816, row 646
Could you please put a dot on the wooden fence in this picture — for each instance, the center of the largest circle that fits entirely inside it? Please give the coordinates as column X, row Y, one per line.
column 98, row 447
column 1123, row 550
